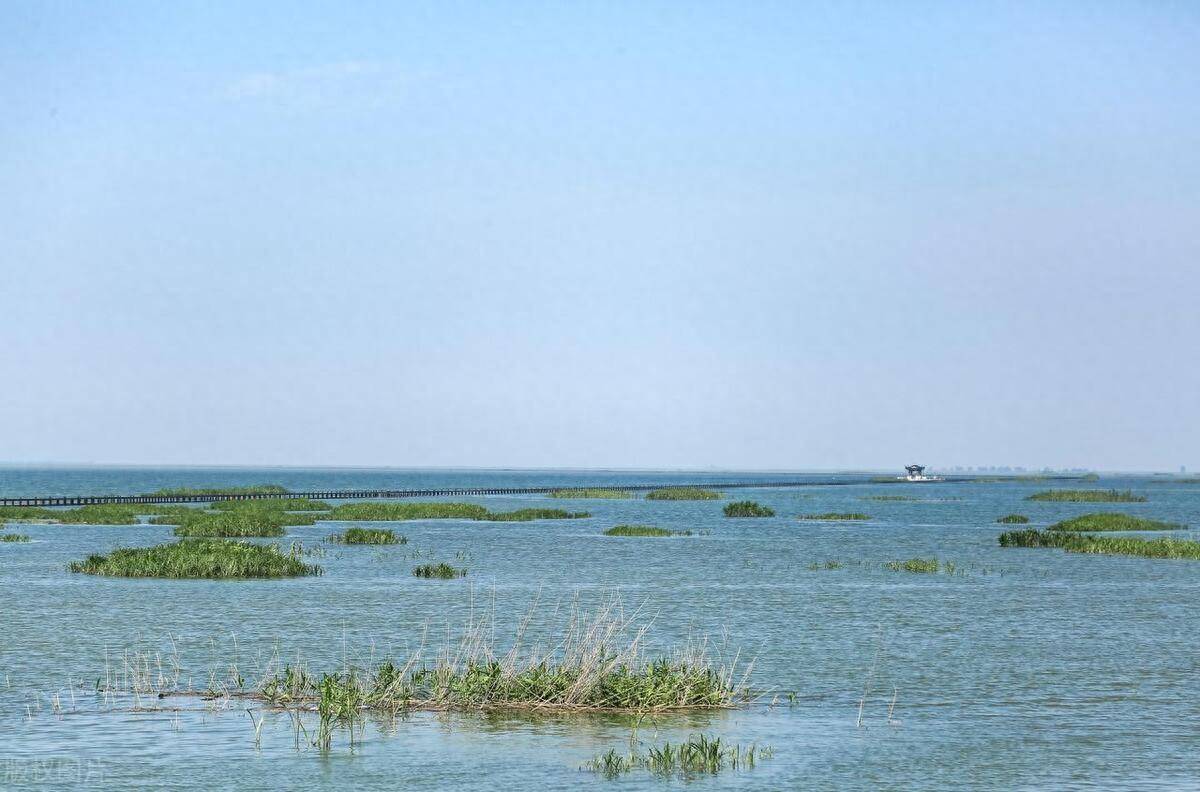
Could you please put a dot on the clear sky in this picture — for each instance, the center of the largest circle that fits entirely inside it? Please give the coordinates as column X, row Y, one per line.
column 740, row 235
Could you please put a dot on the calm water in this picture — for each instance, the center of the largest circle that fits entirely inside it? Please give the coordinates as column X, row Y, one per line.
column 1034, row 669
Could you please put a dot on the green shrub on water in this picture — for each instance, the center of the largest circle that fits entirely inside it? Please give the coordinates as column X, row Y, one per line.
column 368, row 536
column 643, row 530
column 835, row 516
column 1087, row 496
column 1111, row 521
column 441, row 571
column 13, row 537
column 1013, row 519
column 699, row 755
column 1107, row 545
column 592, row 493
column 747, row 508
column 682, row 494
column 253, row 489
column 394, row 512
column 230, row 524
column 197, row 559
column 921, row 565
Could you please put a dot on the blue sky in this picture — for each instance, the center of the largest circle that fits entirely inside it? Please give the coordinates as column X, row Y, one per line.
column 744, row 235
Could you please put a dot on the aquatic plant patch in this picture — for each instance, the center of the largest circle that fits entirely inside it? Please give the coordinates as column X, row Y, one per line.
column 273, row 504
column 440, row 571
column 682, row 494
column 1087, row 496
column 1013, row 519
column 835, row 516
column 698, row 755
column 253, row 489
column 1113, row 521
column 917, row 565
column 197, row 559
column 14, row 537
column 397, row 512
column 527, row 515
column 747, row 508
column 643, row 530
column 592, row 493
column 232, row 524
column 368, row 536
column 1165, row 548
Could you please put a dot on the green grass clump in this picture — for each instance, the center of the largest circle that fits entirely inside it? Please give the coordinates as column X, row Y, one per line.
column 1013, row 519
column 1088, row 496
column 280, row 504
column 213, row 559
column 682, row 494
column 835, row 516
column 1108, row 521
column 592, row 492
column 922, row 565
column 368, row 536
column 643, row 530
column 747, row 508
column 253, row 489
column 383, row 510
column 440, row 571
column 20, row 513
column 1107, row 545
column 525, row 515
column 815, row 565
column 230, row 524
column 699, row 755
column 13, row 537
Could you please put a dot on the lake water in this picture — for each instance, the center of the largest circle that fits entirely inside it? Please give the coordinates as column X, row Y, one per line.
column 1031, row 669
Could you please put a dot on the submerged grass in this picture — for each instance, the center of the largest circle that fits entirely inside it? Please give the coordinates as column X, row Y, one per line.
column 643, row 530
column 682, row 494
column 1088, row 496
column 1013, row 519
column 920, row 565
column 197, row 559
column 1112, row 521
column 13, row 537
column 698, row 755
column 1106, row 545
column 440, row 571
column 368, row 536
column 835, row 516
column 592, row 492
column 747, row 508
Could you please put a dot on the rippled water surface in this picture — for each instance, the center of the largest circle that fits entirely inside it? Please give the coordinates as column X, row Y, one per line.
column 1026, row 669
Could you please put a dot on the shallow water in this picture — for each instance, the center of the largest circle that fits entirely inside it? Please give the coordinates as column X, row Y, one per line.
column 1030, row 669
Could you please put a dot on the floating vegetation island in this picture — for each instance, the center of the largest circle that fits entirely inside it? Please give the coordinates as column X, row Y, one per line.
column 1113, row 521
column 368, row 536
column 682, row 494
column 920, row 565
column 14, row 537
column 94, row 514
column 592, row 493
column 1072, row 542
column 227, row 524
column 441, row 571
column 699, row 755
column 272, row 504
column 1088, row 496
column 382, row 511
column 214, row 559
column 1013, row 519
column 835, row 516
column 747, row 508
column 643, row 530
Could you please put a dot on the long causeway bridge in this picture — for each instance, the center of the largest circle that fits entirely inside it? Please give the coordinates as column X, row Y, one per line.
column 355, row 494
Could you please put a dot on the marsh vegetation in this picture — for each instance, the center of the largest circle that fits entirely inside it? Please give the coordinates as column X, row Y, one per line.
column 215, row 559
column 698, row 755
column 682, row 494
column 747, row 508
column 1113, row 521
column 643, row 530
column 13, row 537
column 381, row 511
column 1087, row 496
column 439, row 571
column 1013, row 519
column 918, row 565
column 835, row 516
column 368, row 536
column 227, row 524
column 253, row 489
column 1167, row 547
column 604, row 493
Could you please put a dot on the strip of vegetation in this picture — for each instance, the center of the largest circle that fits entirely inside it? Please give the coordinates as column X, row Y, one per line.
column 835, row 516
column 1013, row 519
column 396, row 512
column 368, row 536
column 699, row 755
column 747, row 509
column 1108, row 545
column 592, row 492
column 919, row 565
column 95, row 514
column 643, row 530
column 526, row 515
column 828, row 565
column 889, row 498
column 682, row 494
column 1088, row 496
column 13, row 537
column 1090, row 523
column 253, row 489
column 231, row 524
column 440, row 571
column 280, row 504
column 211, row 559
